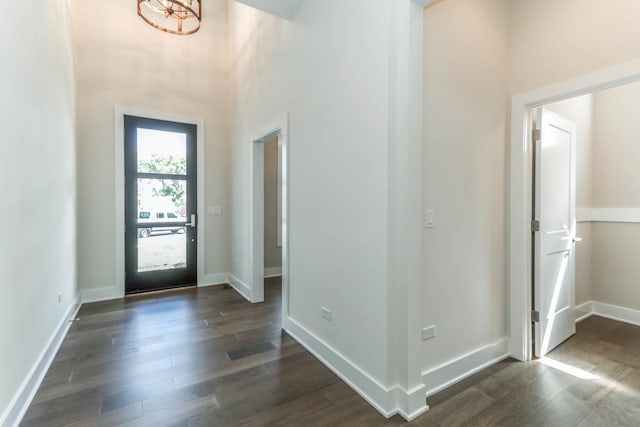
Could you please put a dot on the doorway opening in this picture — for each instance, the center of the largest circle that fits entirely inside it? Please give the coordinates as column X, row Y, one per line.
column 269, row 214
column 160, row 159
column 522, row 196
column 272, row 218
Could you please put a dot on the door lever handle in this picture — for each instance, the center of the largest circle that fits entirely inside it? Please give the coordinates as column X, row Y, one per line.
column 194, row 221
column 577, row 239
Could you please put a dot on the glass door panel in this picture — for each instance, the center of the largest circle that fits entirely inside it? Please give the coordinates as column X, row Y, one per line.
column 161, row 152
column 160, row 205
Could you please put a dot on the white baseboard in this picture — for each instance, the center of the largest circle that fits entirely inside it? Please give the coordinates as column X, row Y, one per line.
column 272, row 272
column 453, row 371
column 614, row 312
column 410, row 404
column 388, row 401
column 112, row 292
column 214, row 280
column 583, row 311
column 242, row 288
column 609, row 311
column 101, row 294
column 13, row 414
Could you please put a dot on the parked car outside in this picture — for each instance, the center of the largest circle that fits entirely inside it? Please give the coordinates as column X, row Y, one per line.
column 160, row 216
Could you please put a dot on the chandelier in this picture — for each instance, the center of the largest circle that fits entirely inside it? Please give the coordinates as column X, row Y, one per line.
column 172, row 16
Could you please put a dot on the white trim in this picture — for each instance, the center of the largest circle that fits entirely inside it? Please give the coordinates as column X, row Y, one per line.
column 453, row 371
column 608, row 311
column 614, row 312
column 383, row 399
column 14, row 413
column 279, row 126
column 405, row 400
column 119, row 113
column 520, row 189
column 101, row 294
column 630, row 215
column 583, row 311
column 111, row 293
column 241, row 287
column 272, row 272
column 214, row 280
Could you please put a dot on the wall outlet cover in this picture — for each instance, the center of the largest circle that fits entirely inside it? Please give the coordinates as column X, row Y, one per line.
column 428, row 333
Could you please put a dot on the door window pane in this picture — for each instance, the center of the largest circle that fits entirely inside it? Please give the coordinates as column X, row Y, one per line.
column 162, row 152
column 161, row 248
column 162, row 200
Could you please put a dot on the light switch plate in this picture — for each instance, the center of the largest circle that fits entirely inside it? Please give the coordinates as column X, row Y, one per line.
column 214, row 210
column 429, row 218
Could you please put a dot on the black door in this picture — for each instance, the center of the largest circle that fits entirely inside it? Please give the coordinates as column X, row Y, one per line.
column 160, row 204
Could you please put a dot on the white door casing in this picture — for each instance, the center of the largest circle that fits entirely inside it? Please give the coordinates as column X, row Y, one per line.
column 521, row 189
column 554, row 243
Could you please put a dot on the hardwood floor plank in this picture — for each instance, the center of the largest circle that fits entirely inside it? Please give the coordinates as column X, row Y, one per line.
column 135, row 394
column 206, row 357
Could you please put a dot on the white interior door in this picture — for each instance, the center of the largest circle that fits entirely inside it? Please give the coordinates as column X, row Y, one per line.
column 554, row 255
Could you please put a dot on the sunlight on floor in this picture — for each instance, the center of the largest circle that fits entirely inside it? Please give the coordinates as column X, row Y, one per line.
column 568, row 369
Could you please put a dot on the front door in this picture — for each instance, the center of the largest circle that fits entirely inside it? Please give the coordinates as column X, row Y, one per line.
column 554, row 240
column 160, row 204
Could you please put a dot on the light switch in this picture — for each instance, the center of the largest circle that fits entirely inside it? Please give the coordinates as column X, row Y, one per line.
column 429, row 218
column 214, row 210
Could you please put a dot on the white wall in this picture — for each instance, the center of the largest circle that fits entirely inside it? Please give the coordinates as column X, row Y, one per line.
column 272, row 252
column 616, row 185
column 580, row 111
column 616, row 181
column 552, row 41
column 328, row 68
column 122, row 61
column 37, row 249
column 464, row 161
column 572, row 38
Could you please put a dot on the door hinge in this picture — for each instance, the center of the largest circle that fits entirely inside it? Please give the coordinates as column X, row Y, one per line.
column 535, row 225
column 536, row 135
column 535, row 316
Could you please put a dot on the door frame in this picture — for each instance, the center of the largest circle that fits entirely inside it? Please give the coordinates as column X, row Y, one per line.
column 119, row 113
column 277, row 127
column 521, row 190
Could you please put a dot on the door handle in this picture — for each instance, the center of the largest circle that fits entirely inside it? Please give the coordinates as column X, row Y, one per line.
column 194, row 221
column 577, row 239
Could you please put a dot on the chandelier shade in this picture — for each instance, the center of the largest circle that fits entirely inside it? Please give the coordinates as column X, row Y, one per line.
column 172, row 16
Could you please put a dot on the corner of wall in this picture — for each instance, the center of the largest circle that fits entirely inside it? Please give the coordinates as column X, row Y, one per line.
column 389, row 401
column 455, row 370
column 22, row 399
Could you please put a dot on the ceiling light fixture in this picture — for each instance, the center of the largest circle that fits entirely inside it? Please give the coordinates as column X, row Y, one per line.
column 172, row 16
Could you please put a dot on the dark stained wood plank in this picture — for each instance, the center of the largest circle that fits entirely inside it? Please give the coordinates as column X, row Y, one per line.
column 250, row 351
column 206, row 357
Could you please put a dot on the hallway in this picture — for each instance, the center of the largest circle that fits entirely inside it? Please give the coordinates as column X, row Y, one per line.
column 206, row 357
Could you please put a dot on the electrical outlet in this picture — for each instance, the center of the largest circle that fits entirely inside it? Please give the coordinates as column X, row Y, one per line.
column 326, row 313
column 59, row 298
column 428, row 332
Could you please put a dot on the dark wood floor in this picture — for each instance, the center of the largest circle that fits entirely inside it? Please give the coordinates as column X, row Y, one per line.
column 205, row 357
